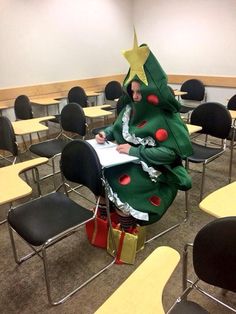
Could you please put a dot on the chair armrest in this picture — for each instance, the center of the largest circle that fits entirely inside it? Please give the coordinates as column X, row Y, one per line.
column 143, row 289
column 12, row 186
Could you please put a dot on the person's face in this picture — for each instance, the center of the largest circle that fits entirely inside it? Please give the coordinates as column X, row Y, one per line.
column 135, row 88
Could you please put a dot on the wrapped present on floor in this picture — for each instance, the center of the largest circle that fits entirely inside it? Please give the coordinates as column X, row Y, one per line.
column 127, row 244
column 97, row 230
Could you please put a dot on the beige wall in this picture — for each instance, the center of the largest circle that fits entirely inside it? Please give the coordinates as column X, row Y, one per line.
column 59, row 40
column 189, row 36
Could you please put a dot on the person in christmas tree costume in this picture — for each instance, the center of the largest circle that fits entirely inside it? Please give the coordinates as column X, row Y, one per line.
column 150, row 128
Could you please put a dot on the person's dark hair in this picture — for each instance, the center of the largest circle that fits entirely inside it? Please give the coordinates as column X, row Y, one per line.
column 129, row 91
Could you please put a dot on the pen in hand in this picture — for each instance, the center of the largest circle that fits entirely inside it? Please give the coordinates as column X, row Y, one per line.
column 102, row 136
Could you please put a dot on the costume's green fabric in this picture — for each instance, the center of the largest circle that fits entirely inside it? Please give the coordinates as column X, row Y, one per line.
column 159, row 138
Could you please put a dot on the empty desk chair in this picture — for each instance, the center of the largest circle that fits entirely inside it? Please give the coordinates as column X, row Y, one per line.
column 72, row 120
column 214, row 260
column 231, row 137
column 23, row 111
column 215, row 121
column 45, row 221
column 195, row 94
column 77, row 95
column 8, row 140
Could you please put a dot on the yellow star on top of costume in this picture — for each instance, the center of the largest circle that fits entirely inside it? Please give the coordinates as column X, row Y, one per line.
column 137, row 58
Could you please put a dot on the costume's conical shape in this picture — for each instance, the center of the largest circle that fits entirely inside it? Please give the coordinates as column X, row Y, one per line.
column 157, row 135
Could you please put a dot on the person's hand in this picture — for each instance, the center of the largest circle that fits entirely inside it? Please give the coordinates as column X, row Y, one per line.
column 123, row 148
column 100, row 137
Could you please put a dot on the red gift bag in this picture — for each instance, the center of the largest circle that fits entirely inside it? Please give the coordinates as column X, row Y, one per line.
column 97, row 230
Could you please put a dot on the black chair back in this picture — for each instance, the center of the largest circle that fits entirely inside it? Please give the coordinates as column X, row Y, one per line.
column 214, row 254
column 214, row 118
column 7, row 136
column 113, row 90
column 80, row 153
column 73, row 119
column 77, row 94
column 195, row 90
column 232, row 103
column 22, row 108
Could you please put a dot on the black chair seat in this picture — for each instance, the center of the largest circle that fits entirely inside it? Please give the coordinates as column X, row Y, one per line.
column 187, row 307
column 48, row 148
column 47, row 216
column 185, row 109
column 201, row 153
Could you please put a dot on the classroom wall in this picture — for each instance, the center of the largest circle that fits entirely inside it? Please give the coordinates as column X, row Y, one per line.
column 59, row 40
column 190, row 37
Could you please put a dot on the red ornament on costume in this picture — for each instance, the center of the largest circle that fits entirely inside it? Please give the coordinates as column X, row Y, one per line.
column 155, row 200
column 153, row 99
column 161, row 135
column 124, row 179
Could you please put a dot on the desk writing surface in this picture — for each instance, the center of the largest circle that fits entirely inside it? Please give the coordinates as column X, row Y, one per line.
column 12, row 186
column 108, row 155
column 142, row 291
column 233, row 114
column 193, row 128
column 222, row 202
column 96, row 111
column 88, row 94
column 44, row 101
column 23, row 127
column 179, row 92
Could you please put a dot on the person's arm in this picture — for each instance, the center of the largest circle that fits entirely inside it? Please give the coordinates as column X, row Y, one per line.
column 109, row 133
column 154, row 155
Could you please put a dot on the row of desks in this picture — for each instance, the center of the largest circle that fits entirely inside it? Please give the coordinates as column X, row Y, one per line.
column 34, row 125
column 23, row 127
column 49, row 101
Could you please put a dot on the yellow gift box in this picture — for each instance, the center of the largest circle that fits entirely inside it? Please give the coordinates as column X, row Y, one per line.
column 126, row 244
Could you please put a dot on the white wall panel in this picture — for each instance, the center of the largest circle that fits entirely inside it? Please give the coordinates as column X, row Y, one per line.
column 58, row 40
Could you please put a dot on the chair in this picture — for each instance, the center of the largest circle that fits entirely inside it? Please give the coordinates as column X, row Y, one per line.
column 77, row 95
column 8, row 139
column 22, row 108
column 46, row 220
column 113, row 90
column 119, row 106
column 72, row 120
column 215, row 121
column 8, row 143
column 195, row 90
column 214, row 260
column 231, row 137
column 23, row 111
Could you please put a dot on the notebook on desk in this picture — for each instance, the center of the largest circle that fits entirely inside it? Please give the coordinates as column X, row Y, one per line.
column 108, row 155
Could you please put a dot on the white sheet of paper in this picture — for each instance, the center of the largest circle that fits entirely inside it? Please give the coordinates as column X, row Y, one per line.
column 108, row 155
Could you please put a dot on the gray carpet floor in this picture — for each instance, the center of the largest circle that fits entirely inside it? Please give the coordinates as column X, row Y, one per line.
column 22, row 288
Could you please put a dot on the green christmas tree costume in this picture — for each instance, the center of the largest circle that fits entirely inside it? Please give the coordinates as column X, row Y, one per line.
column 159, row 138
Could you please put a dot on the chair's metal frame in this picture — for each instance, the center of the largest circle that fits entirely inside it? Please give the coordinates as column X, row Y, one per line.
column 62, row 134
column 41, row 252
column 204, row 164
column 232, row 144
column 189, row 285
